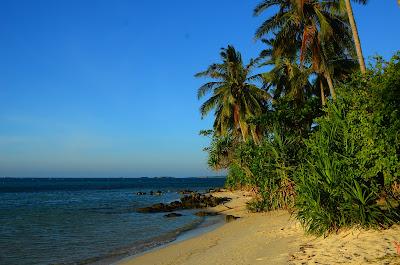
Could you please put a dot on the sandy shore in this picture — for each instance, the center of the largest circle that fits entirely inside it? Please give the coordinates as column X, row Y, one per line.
column 273, row 238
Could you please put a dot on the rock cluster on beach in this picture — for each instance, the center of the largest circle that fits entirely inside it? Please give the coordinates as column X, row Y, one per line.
column 192, row 201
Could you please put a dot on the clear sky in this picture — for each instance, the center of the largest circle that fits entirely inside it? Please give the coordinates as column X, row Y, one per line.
column 106, row 88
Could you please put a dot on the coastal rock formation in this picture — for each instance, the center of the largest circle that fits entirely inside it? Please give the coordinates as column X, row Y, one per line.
column 192, row 201
column 169, row 215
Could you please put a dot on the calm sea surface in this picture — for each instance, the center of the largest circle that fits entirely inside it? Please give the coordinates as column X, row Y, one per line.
column 80, row 221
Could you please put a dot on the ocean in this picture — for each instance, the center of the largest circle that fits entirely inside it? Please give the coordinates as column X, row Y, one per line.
column 89, row 221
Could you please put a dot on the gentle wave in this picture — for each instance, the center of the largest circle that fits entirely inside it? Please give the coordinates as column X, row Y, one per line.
column 63, row 226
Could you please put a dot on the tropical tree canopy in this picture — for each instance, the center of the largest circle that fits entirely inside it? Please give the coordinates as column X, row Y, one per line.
column 334, row 162
column 315, row 33
column 235, row 96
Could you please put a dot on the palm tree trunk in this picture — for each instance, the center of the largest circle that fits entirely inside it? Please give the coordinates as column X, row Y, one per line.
column 355, row 36
column 330, row 84
column 323, row 99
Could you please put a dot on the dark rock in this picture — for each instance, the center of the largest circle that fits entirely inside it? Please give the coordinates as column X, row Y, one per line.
column 145, row 210
column 229, row 218
column 158, row 193
column 173, row 215
column 192, row 201
column 156, row 208
column 176, row 204
column 197, row 200
column 186, row 192
column 216, row 190
column 203, row 213
column 141, row 193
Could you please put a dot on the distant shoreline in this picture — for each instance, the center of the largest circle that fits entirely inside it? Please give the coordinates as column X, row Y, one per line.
column 40, row 184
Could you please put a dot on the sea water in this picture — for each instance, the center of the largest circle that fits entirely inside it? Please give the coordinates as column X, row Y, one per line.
column 83, row 221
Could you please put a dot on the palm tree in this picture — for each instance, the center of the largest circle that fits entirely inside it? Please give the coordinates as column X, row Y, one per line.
column 356, row 37
column 235, row 96
column 288, row 79
column 354, row 30
column 310, row 29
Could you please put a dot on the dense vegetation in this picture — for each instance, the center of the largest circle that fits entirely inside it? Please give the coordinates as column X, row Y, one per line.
column 318, row 133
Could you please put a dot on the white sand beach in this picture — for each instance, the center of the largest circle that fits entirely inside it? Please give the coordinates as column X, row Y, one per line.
column 273, row 238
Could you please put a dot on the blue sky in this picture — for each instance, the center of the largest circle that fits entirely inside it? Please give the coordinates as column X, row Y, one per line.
column 106, row 88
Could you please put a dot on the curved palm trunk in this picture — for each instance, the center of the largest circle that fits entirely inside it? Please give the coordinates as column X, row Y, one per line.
column 330, row 84
column 323, row 99
column 355, row 36
column 239, row 126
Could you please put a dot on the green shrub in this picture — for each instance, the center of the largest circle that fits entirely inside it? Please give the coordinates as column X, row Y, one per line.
column 236, row 178
column 268, row 167
column 352, row 157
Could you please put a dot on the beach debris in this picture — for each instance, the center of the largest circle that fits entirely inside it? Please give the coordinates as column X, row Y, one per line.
column 169, row 215
column 229, row 218
column 192, row 201
column 397, row 246
column 203, row 213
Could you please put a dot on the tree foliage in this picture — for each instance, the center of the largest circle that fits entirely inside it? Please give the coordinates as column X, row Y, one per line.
column 235, row 97
column 352, row 161
column 312, row 134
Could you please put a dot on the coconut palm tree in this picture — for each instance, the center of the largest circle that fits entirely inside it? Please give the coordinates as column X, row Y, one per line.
column 288, row 79
column 354, row 30
column 346, row 4
column 310, row 29
column 235, row 96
